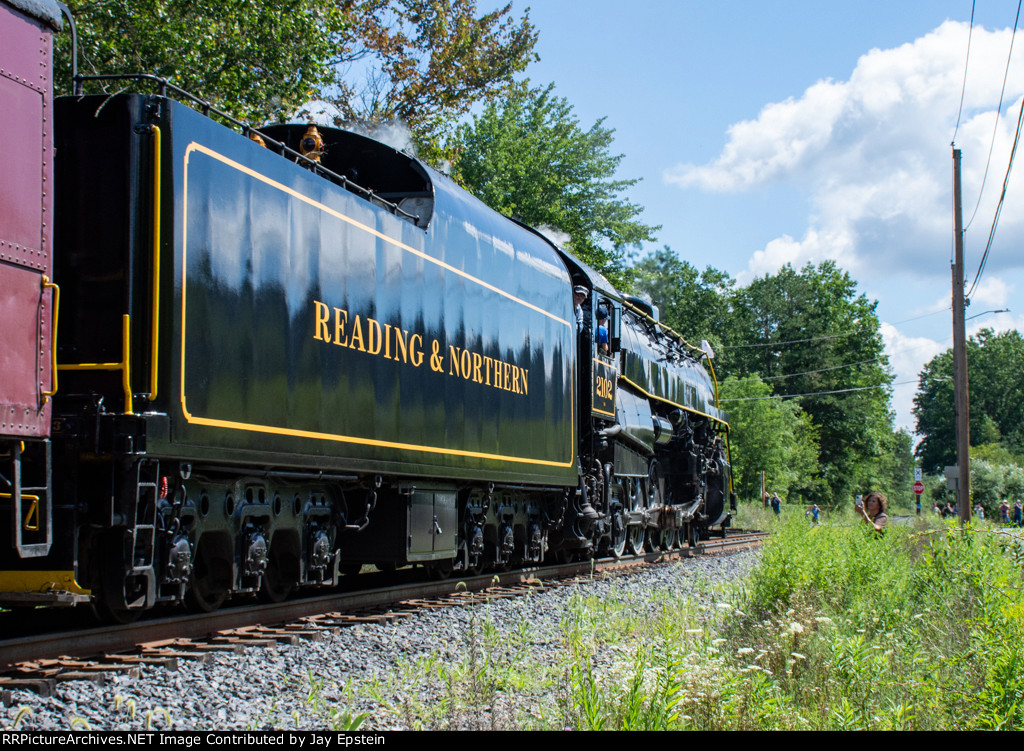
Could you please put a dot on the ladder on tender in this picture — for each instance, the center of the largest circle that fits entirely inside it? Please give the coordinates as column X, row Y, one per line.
column 143, row 529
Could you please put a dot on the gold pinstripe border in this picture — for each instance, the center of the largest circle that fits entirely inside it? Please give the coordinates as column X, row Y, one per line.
column 649, row 395
column 267, row 429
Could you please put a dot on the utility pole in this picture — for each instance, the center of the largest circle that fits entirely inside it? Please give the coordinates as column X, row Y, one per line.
column 962, row 408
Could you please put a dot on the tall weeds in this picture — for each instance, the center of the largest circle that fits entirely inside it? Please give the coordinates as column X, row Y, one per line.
column 921, row 628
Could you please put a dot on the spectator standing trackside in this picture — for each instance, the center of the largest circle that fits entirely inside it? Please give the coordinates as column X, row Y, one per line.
column 873, row 510
column 776, row 504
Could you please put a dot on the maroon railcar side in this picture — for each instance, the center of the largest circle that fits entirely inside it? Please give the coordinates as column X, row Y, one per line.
column 26, row 268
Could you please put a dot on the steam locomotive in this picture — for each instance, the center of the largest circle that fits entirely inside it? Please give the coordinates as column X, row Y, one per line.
column 285, row 354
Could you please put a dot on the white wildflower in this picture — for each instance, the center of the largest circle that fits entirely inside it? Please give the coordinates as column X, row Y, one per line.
column 796, row 628
column 745, row 651
column 798, row 656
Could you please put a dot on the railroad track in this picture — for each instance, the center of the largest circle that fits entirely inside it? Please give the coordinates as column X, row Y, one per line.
column 38, row 661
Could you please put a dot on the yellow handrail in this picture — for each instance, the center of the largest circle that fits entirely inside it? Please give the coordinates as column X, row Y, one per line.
column 124, row 366
column 47, row 284
column 154, row 337
column 33, row 511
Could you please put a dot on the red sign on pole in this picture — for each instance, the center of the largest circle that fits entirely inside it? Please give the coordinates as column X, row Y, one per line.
column 919, row 487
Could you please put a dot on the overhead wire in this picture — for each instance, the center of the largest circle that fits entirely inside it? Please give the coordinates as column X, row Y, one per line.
column 995, row 126
column 809, row 372
column 791, row 341
column 963, row 89
column 813, row 393
column 828, row 336
column 999, row 206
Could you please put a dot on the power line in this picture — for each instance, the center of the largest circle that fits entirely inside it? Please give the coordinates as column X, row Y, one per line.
column 791, row 341
column 995, row 126
column 963, row 89
column 809, row 372
column 999, row 207
column 926, row 315
column 813, row 393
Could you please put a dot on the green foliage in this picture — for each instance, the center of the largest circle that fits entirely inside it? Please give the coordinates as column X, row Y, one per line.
column 996, row 453
column 770, row 435
column 996, row 366
column 817, row 344
column 527, row 156
column 422, row 62
column 427, row 62
column 696, row 304
column 838, row 627
column 256, row 60
column 991, row 483
column 923, row 626
column 812, row 336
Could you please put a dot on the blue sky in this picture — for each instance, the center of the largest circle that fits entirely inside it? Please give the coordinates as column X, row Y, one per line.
column 796, row 131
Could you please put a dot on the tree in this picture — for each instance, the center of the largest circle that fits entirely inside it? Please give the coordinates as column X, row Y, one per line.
column 425, row 62
column 528, row 157
column 811, row 336
column 770, row 435
column 256, row 60
column 694, row 303
column 995, row 364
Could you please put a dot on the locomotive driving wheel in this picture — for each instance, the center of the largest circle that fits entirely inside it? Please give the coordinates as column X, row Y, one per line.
column 635, row 532
column 669, row 539
column 617, row 547
column 692, row 535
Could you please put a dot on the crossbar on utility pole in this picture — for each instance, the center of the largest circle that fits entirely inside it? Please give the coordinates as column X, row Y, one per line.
column 962, row 406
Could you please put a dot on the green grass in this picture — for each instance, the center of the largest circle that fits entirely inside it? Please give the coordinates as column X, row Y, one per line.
column 921, row 628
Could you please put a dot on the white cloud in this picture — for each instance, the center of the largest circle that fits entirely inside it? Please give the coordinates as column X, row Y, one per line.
column 992, row 293
column 907, row 355
column 821, row 245
column 872, row 153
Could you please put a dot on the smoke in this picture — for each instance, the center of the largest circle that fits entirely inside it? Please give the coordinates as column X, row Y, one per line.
column 559, row 238
column 395, row 134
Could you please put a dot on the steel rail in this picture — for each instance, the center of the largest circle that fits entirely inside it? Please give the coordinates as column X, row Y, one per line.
column 123, row 638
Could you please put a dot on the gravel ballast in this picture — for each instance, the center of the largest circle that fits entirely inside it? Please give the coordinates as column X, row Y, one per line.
column 272, row 688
